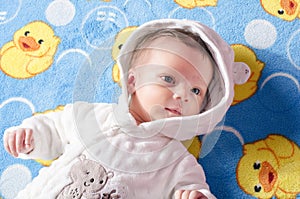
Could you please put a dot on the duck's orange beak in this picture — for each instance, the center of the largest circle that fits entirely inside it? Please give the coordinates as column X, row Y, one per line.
column 267, row 176
column 28, row 44
column 290, row 6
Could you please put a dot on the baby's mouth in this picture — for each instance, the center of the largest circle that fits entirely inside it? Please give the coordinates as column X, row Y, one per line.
column 175, row 111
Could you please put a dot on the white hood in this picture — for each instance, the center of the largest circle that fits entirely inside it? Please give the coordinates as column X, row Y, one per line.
column 183, row 128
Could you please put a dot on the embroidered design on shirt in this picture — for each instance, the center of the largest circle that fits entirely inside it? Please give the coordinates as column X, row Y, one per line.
column 88, row 179
column 112, row 195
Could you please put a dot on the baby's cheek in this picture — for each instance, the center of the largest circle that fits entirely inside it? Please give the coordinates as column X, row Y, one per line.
column 194, row 106
column 157, row 112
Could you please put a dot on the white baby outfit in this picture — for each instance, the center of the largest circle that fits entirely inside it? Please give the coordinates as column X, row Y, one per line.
column 102, row 152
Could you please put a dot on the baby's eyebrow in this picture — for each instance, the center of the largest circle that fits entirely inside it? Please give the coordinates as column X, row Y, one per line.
column 195, row 80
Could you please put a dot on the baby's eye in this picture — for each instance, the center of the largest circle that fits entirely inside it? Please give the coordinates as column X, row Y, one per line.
column 168, row 79
column 196, row 91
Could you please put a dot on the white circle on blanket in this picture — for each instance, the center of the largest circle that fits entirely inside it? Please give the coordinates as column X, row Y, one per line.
column 60, row 12
column 8, row 11
column 271, row 93
column 14, row 179
column 260, row 34
column 293, row 46
column 100, row 26
column 197, row 14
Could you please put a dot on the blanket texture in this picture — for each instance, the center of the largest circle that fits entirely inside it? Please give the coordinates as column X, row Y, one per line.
column 253, row 153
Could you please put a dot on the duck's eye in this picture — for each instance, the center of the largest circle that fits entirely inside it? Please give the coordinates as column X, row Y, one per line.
column 257, row 188
column 196, row 91
column 87, row 172
column 256, row 165
column 168, row 79
column 41, row 41
column 26, row 33
column 120, row 46
column 280, row 12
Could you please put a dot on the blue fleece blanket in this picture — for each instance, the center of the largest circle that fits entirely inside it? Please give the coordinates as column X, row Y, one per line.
column 254, row 153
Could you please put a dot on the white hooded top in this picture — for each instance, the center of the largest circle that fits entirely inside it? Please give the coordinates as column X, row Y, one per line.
column 140, row 161
column 229, row 74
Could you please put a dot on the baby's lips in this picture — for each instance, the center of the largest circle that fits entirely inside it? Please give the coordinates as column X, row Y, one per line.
column 175, row 111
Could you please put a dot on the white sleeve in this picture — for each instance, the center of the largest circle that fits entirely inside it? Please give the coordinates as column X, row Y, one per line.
column 49, row 133
column 192, row 177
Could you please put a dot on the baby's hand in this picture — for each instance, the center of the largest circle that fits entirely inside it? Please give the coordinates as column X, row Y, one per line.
column 189, row 194
column 18, row 141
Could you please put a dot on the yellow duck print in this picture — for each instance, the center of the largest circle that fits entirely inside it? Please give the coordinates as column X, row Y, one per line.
column 193, row 145
column 246, row 90
column 34, row 46
column 285, row 9
column 270, row 167
column 196, row 3
column 120, row 39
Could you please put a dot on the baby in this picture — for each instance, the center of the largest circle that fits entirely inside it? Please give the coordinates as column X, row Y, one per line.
column 177, row 82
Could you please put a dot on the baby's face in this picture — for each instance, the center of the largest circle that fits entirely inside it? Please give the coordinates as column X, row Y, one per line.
column 167, row 85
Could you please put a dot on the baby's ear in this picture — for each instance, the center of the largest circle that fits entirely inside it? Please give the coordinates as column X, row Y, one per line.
column 241, row 72
column 110, row 174
column 131, row 82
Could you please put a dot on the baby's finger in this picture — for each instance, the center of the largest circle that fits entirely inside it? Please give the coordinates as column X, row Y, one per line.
column 28, row 137
column 12, row 144
column 197, row 195
column 20, row 134
column 185, row 194
column 178, row 194
column 29, row 142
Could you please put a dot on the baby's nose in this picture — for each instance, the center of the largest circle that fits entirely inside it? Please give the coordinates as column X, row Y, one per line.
column 180, row 94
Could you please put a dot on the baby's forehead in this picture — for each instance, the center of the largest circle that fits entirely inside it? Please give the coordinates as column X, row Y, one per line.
column 167, row 41
column 168, row 62
column 184, row 49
